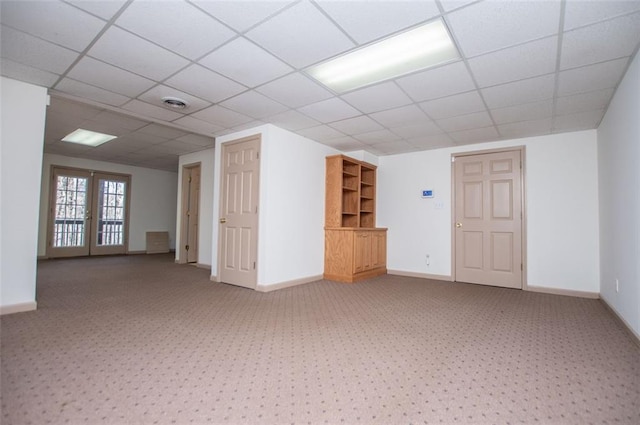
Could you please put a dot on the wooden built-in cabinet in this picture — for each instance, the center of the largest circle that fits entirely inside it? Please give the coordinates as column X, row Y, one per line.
column 354, row 248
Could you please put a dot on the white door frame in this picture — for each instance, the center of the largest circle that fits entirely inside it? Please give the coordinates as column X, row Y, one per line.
column 522, row 150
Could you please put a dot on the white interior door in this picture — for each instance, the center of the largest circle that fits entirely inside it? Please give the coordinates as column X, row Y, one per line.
column 190, row 214
column 239, row 212
column 488, row 219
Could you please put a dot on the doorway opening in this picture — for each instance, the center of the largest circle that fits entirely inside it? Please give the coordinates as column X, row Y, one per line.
column 190, row 213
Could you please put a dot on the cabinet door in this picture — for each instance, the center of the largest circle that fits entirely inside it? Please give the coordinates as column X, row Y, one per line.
column 362, row 252
column 378, row 249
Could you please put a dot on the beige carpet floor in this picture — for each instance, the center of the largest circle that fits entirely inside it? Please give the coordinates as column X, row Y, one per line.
column 141, row 340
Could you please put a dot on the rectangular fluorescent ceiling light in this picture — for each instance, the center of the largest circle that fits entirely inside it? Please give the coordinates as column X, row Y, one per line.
column 419, row 48
column 88, row 138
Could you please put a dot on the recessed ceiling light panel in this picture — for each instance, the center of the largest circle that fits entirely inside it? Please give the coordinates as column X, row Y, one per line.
column 419, row 48
column 87, row 137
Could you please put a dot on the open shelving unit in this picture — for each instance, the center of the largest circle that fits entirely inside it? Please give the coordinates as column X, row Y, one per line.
column 354, row 248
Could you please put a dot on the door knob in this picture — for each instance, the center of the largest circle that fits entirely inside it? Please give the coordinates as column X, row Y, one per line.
column 458, row 225
column 223, row 220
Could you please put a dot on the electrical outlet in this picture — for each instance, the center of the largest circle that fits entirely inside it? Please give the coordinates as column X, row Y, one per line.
column 617, row 285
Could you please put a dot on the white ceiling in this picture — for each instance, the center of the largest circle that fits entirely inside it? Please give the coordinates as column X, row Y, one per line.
column 527, row 68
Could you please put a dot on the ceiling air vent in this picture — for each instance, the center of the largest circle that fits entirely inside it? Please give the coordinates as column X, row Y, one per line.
column 174, row 102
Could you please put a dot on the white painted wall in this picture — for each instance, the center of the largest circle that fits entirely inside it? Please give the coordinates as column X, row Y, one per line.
column 153, row 199
column 205, row 158
column 23, row 109
column 562, row 209
column 619, row 185
column 291, row 223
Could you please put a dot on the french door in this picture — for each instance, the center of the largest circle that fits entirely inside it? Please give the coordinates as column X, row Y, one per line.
column 88, row 213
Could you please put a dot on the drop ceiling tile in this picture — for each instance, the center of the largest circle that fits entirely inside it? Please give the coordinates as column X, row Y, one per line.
column 356, row 125
column 579, row 12
column 245, row 63
column 377, row 98
column 404, row 115
column 200, row 126
column 105, row 9
column 432, row 142
column 503, row 24
column 151, row 111
column 177, row 26
column 523, row 91
column 449, row 5
column 515, row 63
column 389, row 17
column 524, row 112
column 26, row 73
column 80, row 89
column 459, row 104
column 100, row 74
column 120, row 120
column 600, row 42
column 465, row 122
column 476, row 135
column 330, row 110
column 415, row 131
column 154, row 132
column 320, row 133
column 54, row 21
column 254, row 105
column 246, row 126
column 581, row 121
column 379, row 136
column 174, row 148
column 394, row 147
column 241, row 15
column 104, row 128
column 71, row 109
column 33, row 52
column 155, row 95
column 301, row 35
column 582, row 102
column 204, row 83
column 439, row 82
column 196, row 139
column 295, row 90
column 345, row 144
column 140, row 56
column 521, row 129
column 593, row 77
column 292, row 120
column 222, row 117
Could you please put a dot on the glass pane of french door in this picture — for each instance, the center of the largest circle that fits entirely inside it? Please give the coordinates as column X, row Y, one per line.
column 70, row 220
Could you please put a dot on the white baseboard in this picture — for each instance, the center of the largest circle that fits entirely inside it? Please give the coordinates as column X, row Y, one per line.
column 18, row 308
column 288, row 284
column 213, row 278
column 421, row 275
column 42, row 257
column 567, row 292
column 203, row 266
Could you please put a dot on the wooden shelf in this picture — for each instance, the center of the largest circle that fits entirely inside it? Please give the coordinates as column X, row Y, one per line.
column 354, row 248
